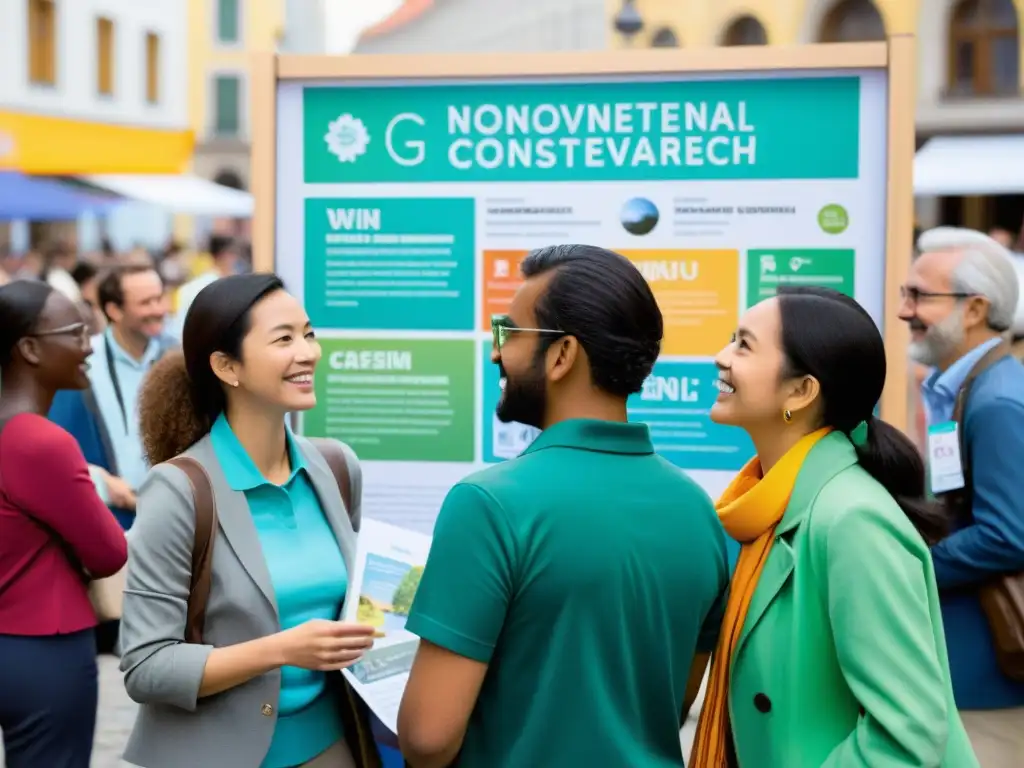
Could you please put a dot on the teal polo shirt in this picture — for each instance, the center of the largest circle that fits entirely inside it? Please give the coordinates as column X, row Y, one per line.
column 309, row 577
column 586, row 573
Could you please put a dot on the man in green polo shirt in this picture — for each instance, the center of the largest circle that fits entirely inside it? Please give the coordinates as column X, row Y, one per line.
column 568, row 590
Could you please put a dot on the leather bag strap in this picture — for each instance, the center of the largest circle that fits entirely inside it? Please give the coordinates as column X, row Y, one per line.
column 334, row 455
column 202, row 546
column 959, row 501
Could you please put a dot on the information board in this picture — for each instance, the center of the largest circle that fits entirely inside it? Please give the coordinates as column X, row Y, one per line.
column 403, row 197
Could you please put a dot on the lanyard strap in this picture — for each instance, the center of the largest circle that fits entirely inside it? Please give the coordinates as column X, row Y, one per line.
column 115, row 382
column 112, row 370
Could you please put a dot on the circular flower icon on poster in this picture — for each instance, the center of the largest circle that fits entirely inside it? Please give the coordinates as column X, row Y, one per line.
column 639, row 216
column 347, row 138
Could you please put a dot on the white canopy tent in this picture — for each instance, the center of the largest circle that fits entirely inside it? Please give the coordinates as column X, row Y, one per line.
column 182, row 194
column 970, row 165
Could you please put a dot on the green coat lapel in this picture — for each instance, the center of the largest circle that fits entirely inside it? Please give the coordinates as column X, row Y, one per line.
column 828, row 458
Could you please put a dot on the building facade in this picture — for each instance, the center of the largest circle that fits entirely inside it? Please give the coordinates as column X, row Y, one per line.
column 223, row 36
column 93, row 86
column 969, row 73
column 470, row 26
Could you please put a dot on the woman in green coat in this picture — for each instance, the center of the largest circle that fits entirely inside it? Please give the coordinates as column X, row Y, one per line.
column 832, row 653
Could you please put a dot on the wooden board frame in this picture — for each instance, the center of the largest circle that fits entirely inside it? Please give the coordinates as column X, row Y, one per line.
column 896, row 56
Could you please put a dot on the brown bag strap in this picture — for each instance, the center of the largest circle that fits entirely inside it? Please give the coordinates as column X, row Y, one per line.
column 334, row 455
column 960, row 500
column 202, row 547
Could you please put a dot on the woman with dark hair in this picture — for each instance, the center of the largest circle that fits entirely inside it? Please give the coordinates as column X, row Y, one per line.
column 55, row 535
column 260, row 689
column 832, row 651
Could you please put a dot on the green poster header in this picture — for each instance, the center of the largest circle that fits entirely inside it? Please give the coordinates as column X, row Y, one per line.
column 788, row 128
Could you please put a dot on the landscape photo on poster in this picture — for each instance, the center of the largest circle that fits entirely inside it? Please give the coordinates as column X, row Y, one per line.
column 388, row 589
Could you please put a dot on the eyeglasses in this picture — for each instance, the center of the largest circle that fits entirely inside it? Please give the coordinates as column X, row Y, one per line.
column 79, row 330
column 915, row 295
column 502, row 327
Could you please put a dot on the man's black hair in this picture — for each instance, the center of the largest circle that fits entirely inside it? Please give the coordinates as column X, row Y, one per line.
column 599, row 297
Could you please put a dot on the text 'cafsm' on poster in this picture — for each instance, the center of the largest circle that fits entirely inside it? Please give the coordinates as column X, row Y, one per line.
column 398, row 399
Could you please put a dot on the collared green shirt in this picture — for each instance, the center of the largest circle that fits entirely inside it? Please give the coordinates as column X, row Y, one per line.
column 586, row 573
column 309, row 577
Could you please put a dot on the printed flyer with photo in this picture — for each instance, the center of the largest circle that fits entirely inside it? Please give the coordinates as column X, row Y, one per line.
column 386, row 574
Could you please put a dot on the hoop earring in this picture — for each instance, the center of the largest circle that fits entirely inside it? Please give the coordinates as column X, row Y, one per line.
column 787, row 415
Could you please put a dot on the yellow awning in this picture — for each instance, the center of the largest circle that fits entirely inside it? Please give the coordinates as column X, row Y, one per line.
column 57, row 146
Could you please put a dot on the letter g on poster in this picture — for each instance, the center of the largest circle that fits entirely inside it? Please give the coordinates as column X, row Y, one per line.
column 414, row 150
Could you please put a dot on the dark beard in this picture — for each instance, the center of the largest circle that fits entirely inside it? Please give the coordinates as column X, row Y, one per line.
column 524, row 400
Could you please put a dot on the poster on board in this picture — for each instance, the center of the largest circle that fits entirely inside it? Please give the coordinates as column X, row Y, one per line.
column 403, row 209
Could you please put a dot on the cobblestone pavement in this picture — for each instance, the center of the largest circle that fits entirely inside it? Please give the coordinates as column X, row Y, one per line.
column 117, row 712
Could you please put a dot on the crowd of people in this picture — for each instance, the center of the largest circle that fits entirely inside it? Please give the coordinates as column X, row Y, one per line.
column 836, row 599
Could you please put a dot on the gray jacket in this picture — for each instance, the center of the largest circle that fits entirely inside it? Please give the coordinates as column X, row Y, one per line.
column 174, row 728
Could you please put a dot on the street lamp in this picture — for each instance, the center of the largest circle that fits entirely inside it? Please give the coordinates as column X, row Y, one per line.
column 628, row 21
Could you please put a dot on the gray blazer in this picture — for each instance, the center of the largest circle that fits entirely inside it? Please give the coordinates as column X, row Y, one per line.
column 174, row 728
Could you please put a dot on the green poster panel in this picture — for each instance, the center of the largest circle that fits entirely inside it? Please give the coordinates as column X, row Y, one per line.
column 390, row 263
column 397, row 399
column 823, row 267
column 792, row 128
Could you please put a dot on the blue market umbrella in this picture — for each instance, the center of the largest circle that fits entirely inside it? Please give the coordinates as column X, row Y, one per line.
column 41, row 199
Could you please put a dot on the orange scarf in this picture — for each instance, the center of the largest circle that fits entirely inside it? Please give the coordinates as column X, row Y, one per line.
column 750, row 509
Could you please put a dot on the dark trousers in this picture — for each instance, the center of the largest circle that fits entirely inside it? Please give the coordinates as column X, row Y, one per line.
column 48, row 696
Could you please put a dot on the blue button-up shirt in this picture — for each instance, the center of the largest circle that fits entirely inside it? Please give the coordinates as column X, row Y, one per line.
column 125, row 442
column 940, row 389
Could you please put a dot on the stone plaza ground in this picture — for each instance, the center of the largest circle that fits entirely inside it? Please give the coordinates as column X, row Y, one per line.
column 117, row 712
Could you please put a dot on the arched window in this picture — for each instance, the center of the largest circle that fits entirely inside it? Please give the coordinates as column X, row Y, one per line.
column 984, row 55
column 852, row 21
column 746, row 30
column 664, row 38
column 229, row 178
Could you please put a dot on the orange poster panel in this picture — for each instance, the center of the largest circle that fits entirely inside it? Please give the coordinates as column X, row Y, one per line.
column 501, row 280
column 699, row 295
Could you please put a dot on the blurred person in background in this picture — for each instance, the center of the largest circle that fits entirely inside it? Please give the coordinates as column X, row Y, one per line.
column 227, row 260
column 173, row 265
column 960, row 300
column 1004, row 237
column 104, row 417
column 87, row 276
column 58, row 261
column 1017, row 331
column 55, row 535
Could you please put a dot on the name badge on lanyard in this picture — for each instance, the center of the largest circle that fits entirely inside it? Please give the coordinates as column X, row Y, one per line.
column 945, row 465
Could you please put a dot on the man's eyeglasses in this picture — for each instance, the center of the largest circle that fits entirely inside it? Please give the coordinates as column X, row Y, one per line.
column 79, row 330
column 915, row 295
column 502, row 328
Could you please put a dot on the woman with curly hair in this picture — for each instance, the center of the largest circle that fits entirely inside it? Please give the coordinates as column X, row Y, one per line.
column 261, row 688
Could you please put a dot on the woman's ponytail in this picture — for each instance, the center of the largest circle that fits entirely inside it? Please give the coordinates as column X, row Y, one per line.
column 169, row 421
column 892, row 459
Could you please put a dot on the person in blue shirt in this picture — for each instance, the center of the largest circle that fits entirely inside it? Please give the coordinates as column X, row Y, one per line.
column 960, row 299
column 261, row 687
column 103, row 418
